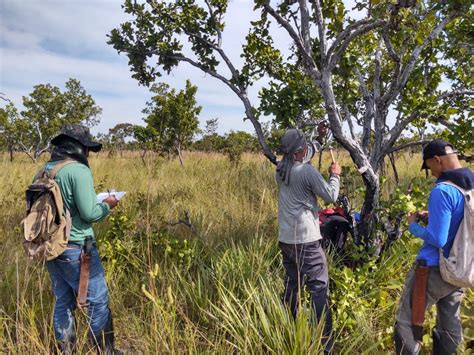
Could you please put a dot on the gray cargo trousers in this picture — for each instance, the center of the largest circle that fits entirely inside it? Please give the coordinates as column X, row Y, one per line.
column 306, row 264
column 447, row 334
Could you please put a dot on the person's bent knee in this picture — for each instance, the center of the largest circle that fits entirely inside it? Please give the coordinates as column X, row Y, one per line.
column 446, row 341
column 98, row 299
column 99, row 317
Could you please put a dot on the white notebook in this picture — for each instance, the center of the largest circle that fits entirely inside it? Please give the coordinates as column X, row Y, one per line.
column 103, row 195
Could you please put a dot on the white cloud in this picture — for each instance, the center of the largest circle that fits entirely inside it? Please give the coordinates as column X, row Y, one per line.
column 51, row 41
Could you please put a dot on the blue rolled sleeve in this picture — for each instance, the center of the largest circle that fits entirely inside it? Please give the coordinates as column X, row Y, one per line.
column 439, row 220
column 445, row 212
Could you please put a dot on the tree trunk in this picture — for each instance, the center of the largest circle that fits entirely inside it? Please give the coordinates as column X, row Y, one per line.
column 31, row 156
column 320, row 161
column 369, row 217
column 369, row 172
column 11, row 155
column 142, row 156
column 178, row 149
column 391, row 156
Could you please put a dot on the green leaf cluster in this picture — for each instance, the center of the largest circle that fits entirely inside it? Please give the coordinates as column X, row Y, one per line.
column 171, row 119
column 163, row 30
column 44, row 112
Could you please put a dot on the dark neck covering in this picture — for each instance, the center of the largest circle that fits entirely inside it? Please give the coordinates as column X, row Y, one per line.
column 70, row 148
column 291, row 142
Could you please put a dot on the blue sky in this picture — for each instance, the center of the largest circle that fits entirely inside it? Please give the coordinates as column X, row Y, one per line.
column 50, row 41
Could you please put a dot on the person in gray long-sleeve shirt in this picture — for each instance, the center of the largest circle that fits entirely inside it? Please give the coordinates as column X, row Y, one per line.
column 297, row 203
column 299, row 237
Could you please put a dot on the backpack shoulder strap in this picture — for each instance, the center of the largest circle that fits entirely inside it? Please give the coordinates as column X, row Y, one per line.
column 40, row 173
column 450, row 183
column 52, row 173
column 468, row 198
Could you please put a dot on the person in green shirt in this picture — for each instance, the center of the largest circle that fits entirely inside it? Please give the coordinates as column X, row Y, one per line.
column 77, row 190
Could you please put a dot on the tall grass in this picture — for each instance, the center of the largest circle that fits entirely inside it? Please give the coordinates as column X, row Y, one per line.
column 193, row 266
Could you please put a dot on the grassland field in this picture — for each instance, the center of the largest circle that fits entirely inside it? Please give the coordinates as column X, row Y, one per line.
column 193, row 266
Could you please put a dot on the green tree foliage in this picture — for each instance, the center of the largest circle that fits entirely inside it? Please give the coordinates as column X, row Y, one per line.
column 155, row 37
column 397, row 59
column 172, row 119
column 211, row 126
column 233, row 144
column 210, row 141
column 120, row 136
column 237, row 143
column 46, row 110
column 146, row 138
column 7, row 139
column 412, row 58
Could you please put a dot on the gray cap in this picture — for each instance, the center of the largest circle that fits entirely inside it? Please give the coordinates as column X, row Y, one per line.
column 291, row 142
column 78, row 132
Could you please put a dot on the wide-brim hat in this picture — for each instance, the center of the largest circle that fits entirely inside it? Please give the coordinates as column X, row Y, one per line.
column 78, row 132
column 437, row 147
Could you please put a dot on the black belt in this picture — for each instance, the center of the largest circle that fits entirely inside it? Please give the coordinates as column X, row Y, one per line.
column 75, row 245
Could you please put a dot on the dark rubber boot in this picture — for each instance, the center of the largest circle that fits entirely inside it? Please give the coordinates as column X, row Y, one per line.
column 401, row 348
column 442, row 346
column 105, row 340
column 66, row 347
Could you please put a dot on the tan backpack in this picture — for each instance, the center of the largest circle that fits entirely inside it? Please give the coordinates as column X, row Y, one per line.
column 46, row 226
column 458, row 268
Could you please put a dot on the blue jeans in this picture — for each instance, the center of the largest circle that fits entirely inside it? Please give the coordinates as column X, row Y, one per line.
column 64, row 272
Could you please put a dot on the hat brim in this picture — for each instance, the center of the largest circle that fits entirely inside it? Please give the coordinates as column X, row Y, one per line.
column 424, row 166
column 93, row 146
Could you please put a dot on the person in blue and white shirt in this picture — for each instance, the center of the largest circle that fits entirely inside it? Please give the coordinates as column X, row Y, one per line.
column 444, row 215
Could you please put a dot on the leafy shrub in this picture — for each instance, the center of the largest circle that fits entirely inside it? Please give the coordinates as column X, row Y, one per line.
column 172, row 249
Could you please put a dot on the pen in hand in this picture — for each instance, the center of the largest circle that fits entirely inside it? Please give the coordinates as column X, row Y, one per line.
column 111, row 200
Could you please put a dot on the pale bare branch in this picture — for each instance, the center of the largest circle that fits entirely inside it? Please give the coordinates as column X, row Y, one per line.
column 206, row 70
column 408, row 68
column 311, row 66
column 408, row 145
column 454, row 93
column 344, row 33
column 5, row 98
column 379, row 114
column 321, row 29
column 401, row 123
column 389, row 46
column 335, row 55
column 377, row 71
column 293, row 16
column 347, row 116
column 369, row 110
column 305, row 32
column 216, row 21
